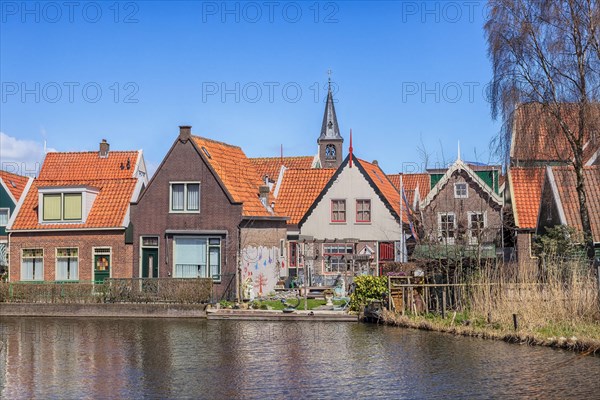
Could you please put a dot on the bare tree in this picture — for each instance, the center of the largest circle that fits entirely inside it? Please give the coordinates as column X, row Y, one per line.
column 546, row 70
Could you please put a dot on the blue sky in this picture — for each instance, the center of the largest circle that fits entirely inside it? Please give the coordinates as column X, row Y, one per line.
column 251, row 74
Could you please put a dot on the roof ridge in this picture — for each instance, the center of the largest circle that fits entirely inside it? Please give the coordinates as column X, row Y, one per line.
column 217, row 141
column 278, row 158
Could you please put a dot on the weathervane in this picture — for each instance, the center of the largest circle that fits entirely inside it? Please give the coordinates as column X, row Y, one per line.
column 329, row 77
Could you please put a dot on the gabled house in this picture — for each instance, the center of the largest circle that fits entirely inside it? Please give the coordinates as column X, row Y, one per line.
column 352, row 226
column 416, row 187
column 72, row 224
column 461, row 216
column 207, row 213
column 559, row 204
column 12, row 187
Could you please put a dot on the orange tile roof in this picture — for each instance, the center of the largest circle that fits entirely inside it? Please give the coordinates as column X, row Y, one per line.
column 83, row 166
column 384, row 186
column 15, row 183
column 410, row 183
column 237, row 172
column 299, row 189
column 108, row 211
column 109, row 175
column 271, row 166
column 534, row 140
column 566, row 182
column 526, row 194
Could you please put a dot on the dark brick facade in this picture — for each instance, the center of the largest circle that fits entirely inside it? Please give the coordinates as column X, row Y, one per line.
column 85, row 241
column 150, row 216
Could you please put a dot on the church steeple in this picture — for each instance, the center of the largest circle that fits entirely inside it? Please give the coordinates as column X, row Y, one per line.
column 330, row 141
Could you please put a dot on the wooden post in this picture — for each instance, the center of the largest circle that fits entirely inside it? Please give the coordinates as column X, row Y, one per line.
column 389, row 293
column 444, row 303
column 515, row 322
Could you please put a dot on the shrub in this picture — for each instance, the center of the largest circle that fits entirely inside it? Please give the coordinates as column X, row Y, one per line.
column 367, row 288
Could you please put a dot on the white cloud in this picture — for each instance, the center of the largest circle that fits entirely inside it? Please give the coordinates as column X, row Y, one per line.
column 23, row 157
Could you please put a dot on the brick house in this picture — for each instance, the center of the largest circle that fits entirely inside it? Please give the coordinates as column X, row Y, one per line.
column 12, row 187
column 206, row 213
column 73, row 220
column 559, row 204
column 461, row 216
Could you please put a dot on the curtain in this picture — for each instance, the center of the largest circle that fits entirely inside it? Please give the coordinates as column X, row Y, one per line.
column 215, row 263
column 177, row 197
column 4, row 217
column 190, row 257
column 67, row 269
column 32, row 269
column 193, row 197
column 51, row 207
column 72, row 206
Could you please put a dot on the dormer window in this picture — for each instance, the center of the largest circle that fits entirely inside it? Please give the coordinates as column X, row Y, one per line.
column 64, row 205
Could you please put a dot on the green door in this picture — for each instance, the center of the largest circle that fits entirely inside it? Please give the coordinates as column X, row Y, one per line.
column 149, row 263
column 101, row 267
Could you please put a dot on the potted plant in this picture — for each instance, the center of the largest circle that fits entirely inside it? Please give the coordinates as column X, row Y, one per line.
column 328, row 293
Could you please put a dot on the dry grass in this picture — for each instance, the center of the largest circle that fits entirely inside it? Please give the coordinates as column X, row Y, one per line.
column 556, row 307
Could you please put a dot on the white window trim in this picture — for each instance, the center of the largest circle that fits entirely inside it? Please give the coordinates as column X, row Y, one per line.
column 326, row 255
column 88, row 195
column 208, row 246
column 7, row 215
column 110, row 255
column 185, row 191
column 447, row 240
column 56, row 257
column 466, row 195
column 474, row 239
column 21, row 265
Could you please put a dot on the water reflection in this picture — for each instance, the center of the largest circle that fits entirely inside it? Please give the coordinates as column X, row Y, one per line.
column 117, row 358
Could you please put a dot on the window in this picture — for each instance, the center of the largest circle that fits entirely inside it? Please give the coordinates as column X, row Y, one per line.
column 185, row 197
column 293, row 254
column 67, row 264
column 334, row 256
column 197, row 257
column 476, row 226
column 62, row 207
column 460, row 190
column 363, row 210
column 32, row 265
column 338, row 210
column 4, row 215
column 447, row 227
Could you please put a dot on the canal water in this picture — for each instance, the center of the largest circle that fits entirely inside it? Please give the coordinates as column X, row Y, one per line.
column 72, row 358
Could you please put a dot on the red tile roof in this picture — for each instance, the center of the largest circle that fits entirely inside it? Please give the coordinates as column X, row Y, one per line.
column 270, row 166
column 15, row 183
column 384, row 186
column 108, row 175
column 299, row 189
column 236, row 172
column 85, row 166
column 565, row 183
column 537, row 135
column 410, row 182
column 526, row 194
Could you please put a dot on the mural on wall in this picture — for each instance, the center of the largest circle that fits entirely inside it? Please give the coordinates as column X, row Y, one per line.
column 261, row 270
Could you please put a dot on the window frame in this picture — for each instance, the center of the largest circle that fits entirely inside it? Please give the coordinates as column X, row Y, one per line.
column 338, row 221
column 461, row 196
column 34, row 258
column 61, row 219
column 57, row 257
column 207, row 264
column 7, row 216
column 446, row 239
column 370, row 211
column 185, row 209
column 329, row 255
column 470, row 214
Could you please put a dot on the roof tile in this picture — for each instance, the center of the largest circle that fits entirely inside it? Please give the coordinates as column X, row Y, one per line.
column 526, row 186
column 15, row 183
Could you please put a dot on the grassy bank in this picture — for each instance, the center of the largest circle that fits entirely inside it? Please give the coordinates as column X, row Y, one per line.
column 558, row 307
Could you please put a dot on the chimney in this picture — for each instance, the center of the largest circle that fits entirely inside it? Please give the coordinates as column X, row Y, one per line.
column 375, row 162
column 104, row 147
column 263, row 194
column 185, row 133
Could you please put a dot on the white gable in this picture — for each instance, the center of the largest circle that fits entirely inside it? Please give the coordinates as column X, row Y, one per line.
column 351, row 185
